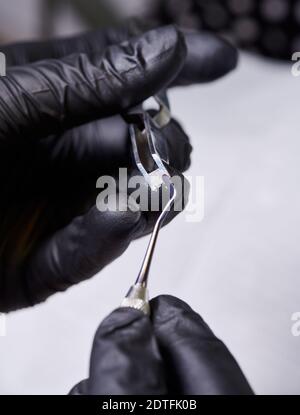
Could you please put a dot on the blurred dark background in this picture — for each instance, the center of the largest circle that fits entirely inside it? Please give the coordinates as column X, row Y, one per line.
column 269, row 27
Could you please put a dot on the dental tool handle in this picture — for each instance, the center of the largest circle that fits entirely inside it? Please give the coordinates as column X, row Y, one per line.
column 138, row 298
column 144, row 271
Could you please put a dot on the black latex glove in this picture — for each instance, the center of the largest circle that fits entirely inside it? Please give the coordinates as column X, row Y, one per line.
column 175, row 352
column 59, row 131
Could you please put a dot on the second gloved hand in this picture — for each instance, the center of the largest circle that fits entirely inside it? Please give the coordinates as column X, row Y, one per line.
column 175, row 353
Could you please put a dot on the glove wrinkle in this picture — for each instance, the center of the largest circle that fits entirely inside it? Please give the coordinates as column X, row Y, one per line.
column 80, row 389
column 125, row 358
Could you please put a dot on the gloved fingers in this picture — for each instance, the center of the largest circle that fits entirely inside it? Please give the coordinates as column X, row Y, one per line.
column 196, row 361
column 80, row 388
column 102, row 146
column 125, row 358
column 48, row 97
column 82, row 248
column 178, row 144
column 208, row 56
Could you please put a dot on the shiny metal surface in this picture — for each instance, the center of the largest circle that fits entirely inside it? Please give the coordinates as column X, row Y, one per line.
column 149, row 162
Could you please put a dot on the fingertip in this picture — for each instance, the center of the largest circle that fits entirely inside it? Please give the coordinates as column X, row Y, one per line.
column 174, row 314
column 209, row 57
column 228, row 56
column 167, row 40
column 154, row 59
column 180, row 148
column 221, row 56
column 119, row 319
column 165, row 306
column 125, row 346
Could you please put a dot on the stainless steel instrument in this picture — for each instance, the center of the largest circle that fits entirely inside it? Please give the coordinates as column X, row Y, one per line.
column 150, row 158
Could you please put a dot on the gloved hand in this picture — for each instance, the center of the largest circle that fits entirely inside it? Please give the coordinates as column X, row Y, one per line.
column 174, row 353
column 60, row 130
